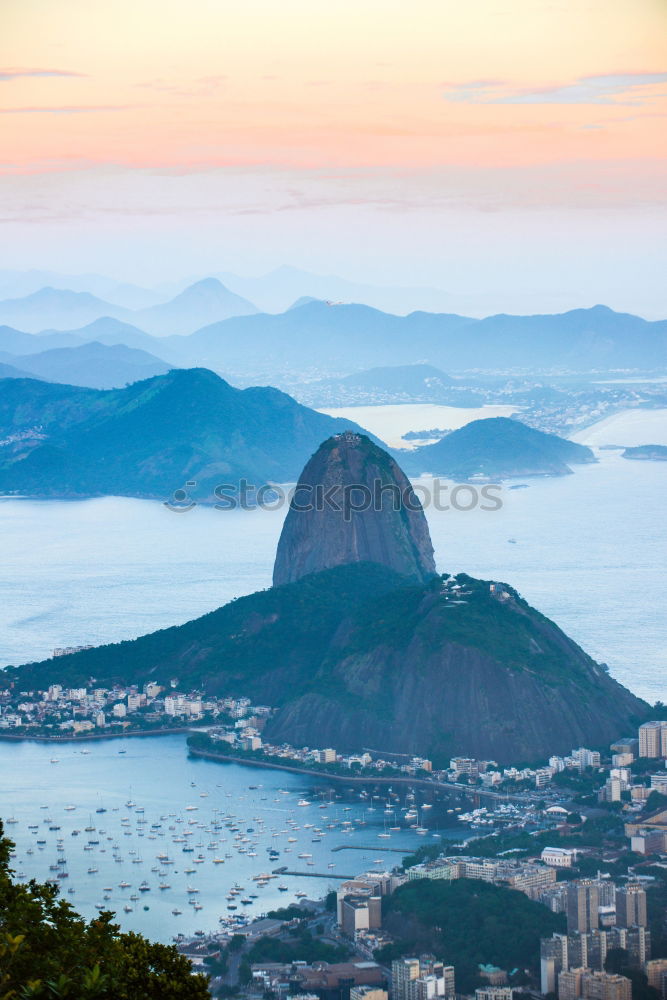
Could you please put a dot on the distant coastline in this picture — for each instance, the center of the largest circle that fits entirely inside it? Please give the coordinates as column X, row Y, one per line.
column 449, row 786
column 92, row 736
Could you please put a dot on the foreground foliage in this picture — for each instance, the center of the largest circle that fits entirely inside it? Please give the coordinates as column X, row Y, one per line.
column 48, row 951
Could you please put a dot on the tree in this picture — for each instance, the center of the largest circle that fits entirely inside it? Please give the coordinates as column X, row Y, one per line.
column 617, row 959
column 48, row 951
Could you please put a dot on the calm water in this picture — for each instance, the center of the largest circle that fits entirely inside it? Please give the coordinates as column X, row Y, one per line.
column 195, row 809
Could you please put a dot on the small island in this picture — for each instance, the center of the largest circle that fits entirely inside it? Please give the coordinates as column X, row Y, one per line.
column 647, row 453
column 497, row 448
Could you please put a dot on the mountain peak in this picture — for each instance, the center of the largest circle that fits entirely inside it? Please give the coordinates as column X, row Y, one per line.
column 353, row 504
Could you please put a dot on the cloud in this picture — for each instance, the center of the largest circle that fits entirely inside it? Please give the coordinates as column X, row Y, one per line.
column 633, row 89
column 71, row 110
column 13, row 74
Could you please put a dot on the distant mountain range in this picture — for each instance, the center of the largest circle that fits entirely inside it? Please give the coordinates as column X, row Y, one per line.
column 349, row 337
column 274, row 291
column 335, row 338
column 202, row 303
column 17, row 284
column 105, row 330
column 147, row 440
column 499, row 448
column 99, row 366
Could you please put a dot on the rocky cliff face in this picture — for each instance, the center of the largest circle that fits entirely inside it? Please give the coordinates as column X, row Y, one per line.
column 353, row 504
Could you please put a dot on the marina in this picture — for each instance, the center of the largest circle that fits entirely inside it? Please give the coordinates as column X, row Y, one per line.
column 210, row 849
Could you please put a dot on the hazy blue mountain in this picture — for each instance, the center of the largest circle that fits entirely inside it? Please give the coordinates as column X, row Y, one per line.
column 108, row 330
column 400, row 378
column 205, row 302
column 276, row 290
column 55, row 308
column 99, row 366
column 149, row 438
column 104, row 331
column 17, row 284
column 342, row 337
column 303, row 300
column 499, row 448
column 9, row 371
column 345, row 337
column 60, row 309
column 391, row 384
column 19, row 342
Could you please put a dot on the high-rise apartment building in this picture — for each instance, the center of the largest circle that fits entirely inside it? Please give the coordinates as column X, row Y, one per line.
column 631, row 906
column 582, row 906
column 653, row 739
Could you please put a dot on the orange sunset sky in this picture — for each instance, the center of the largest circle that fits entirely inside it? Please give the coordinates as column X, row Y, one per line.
column 511, row 148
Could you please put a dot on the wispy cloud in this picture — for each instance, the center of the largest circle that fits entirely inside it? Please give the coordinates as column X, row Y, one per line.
column 69, row 110
column 619, row 89
column 13, row 74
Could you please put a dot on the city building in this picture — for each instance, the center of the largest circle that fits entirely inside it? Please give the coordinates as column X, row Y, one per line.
column 653, row 739
column 603, row 986
column 631, row 906
column 421, row 979
column 582, row 906
column 493, row 993
column 403, row 972
column 366, row 993
column 559, row 857
column 553, row 961
column 569, row 984
column 656, row 972
column 360, row 913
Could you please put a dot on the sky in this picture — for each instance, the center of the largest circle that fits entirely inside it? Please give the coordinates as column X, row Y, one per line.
column 511, row 149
